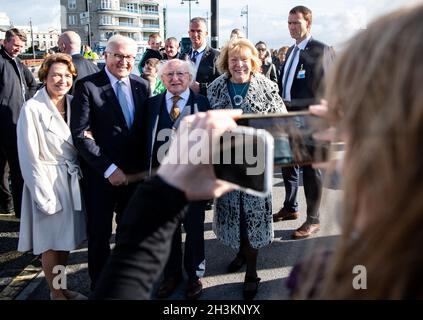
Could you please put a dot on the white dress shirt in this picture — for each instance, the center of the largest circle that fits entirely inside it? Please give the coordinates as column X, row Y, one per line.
column 291, row 75
column 181, row 103
column 199, row 55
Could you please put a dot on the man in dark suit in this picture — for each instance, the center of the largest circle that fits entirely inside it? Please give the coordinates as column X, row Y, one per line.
column 299, row 82
column 142, row 248
column 164, row 113
column 107, row 109
column 70, row 42
column 17, row 85
column 203, row 56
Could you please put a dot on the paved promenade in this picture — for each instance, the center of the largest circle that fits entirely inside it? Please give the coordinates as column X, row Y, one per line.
column 274, row 263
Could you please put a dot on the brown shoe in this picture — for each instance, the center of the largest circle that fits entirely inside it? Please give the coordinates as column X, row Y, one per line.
column 194, row 289
column 306, row 230
column 168, row 286
column 284, row 215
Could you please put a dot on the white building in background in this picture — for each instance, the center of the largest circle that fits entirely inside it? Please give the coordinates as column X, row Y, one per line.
column 136, row 19
column 4, row 24
column 43, row 40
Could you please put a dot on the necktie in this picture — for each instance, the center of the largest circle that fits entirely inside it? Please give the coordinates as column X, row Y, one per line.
column 124, row 103
column 174, row 112
column 194, row 56
column 288, row 70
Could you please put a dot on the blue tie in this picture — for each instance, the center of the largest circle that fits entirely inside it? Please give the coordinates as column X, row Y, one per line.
column 285, row 80
column 124, row 103
column 194, row 56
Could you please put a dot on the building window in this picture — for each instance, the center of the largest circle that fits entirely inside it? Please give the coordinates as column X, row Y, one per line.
column 131, row 7
column 106, row 4
column 109, row 4
column 72, row 4
column 72, row 19
column 151, row 9
column 106, row 20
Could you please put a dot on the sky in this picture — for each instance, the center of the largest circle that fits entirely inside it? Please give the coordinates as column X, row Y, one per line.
column 334, row 21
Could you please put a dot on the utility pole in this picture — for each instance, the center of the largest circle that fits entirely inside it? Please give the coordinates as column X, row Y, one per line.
column 244, row 11
column 214, row 14
column 89, row 22
column 189, row 1
column 32, row 39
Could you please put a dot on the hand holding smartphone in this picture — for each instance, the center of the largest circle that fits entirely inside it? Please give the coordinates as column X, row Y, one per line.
column 294, row 136
column 244, row 157
column 274, row 140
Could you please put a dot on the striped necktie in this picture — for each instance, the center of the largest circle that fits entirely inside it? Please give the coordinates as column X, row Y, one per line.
column 287, row 71
column 194, row 56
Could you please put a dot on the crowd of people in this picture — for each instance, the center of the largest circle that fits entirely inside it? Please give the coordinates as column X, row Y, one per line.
column 85, row 148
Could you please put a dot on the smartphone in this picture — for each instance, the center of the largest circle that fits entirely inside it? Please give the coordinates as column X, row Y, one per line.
column 293, row 134
column 244, row 157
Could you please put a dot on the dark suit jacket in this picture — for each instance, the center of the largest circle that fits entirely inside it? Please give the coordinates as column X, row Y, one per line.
column 305, row 92
column 84, row 67
column 207, row 70
column 154, row 107
column 11, row 99
column 142, row 248
column 95, row 108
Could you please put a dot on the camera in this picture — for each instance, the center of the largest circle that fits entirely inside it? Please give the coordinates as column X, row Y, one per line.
column 248, row 154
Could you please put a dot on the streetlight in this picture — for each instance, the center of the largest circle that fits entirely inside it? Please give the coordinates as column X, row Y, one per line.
column 244, row 11
column 196, row 1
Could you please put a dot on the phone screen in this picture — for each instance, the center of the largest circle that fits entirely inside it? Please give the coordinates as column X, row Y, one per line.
column 293, row 134
column 243, row 159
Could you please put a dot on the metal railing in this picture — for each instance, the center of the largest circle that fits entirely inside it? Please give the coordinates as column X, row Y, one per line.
column 127, row 10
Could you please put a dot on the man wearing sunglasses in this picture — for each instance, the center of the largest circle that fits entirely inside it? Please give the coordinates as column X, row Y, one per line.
column 107, row 109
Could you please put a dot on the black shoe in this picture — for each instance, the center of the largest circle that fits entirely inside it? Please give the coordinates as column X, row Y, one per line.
column 7, row 210
column 250, row 288
column 194, row 289
column 236, row 263
column 168, row 286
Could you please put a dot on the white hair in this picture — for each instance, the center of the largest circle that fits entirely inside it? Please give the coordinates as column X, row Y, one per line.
column 118, row 39
column 187, row 63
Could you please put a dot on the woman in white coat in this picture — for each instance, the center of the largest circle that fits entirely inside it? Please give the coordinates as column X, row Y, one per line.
column 53, row 217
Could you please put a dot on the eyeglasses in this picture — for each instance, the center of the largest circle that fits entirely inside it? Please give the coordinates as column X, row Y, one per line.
column 261, row 49
column 178, row 74
column 120, row 57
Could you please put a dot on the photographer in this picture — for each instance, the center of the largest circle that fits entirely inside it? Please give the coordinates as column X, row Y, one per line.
column 375, row 100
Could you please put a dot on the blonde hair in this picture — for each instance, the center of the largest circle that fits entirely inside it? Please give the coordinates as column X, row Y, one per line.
column 375, row 97
column 238, row 46
column 56, row 58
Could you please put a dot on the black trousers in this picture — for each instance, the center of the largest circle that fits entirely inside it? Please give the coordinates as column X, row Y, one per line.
column 194, row 256
column 9, row 153
column 6, row 201
column 101, row 201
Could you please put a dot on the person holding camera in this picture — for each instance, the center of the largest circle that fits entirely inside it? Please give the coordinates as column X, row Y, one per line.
column 142, row 248
column 243, row 221
column 375, row 102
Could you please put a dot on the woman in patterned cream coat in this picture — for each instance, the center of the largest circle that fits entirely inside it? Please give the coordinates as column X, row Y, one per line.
column 243, row 221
